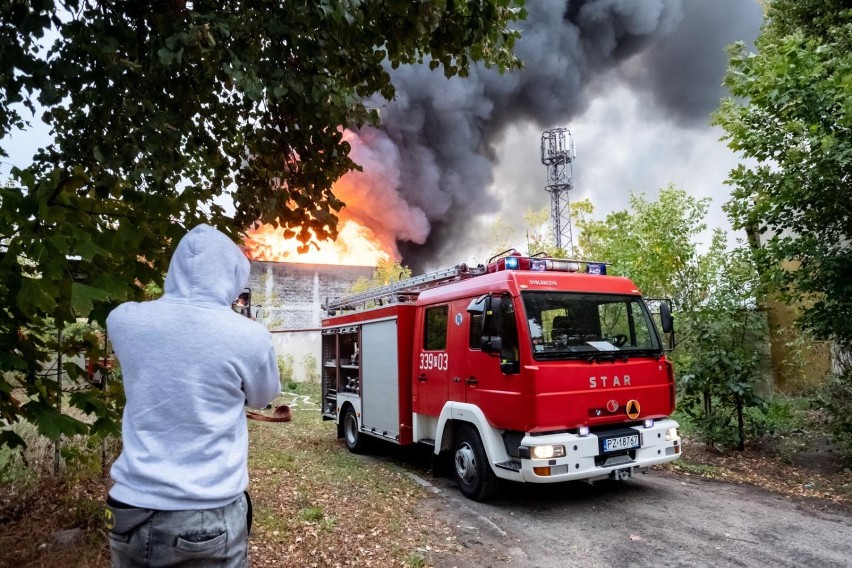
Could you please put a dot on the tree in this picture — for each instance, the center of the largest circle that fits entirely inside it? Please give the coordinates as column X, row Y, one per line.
column 387, row 272
column 790, row 116
column 655, row 243
column 723, row 356
column 159, row 109
column 539, row 233
column 540, row 237
column 500, row 237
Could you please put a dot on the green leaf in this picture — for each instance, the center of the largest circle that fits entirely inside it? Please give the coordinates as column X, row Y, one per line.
column 82, row 297
column 10, row 439
column 90, row 402
column 165, row 55
column 36, row 295
column 50, row 423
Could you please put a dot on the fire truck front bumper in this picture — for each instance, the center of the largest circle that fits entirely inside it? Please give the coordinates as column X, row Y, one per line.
column 609, row 454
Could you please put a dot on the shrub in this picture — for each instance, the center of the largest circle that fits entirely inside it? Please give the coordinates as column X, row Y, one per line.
column 309, row 362
column 835, row 397
column 285, row 368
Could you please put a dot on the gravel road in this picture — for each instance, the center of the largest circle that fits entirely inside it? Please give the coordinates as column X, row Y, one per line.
column 660, row 519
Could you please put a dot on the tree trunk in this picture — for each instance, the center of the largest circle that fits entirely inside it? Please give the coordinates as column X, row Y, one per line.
column 740, row 422
column 708, row 410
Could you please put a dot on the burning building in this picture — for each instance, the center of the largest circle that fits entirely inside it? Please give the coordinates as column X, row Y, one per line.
column 288, row 289
column 287, row 297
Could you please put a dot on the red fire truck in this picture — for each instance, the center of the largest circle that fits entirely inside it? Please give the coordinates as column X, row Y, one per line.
column 529, row 369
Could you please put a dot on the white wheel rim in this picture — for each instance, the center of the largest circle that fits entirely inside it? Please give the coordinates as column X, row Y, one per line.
column 466, row 463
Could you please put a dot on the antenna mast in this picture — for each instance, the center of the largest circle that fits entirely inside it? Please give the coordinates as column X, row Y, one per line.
column 557, row 153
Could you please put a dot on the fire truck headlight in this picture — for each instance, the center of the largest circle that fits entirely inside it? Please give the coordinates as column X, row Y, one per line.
column 672, row 434
column 547, row 452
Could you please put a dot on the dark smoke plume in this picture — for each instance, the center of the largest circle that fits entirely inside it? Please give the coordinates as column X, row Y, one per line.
column 428, row 169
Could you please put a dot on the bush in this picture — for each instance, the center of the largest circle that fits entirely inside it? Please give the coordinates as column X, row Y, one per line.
column 720, row 426
column 781, row 415
column 285, row 368
column 82, row 458
column 835, row 397
column 309, row 362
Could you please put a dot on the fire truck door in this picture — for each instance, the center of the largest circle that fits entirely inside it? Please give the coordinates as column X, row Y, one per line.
column 460, row 373
column 431, row 361
column 492, row 380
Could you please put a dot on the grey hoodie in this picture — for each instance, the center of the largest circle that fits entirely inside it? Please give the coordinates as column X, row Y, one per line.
column 189, row 365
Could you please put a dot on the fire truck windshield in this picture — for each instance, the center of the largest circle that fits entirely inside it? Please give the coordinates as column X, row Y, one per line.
column 563, row 324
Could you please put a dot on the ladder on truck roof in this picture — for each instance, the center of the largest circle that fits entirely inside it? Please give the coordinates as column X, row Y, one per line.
column 404, row 290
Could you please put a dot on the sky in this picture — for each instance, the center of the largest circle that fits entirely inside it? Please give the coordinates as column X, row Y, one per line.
column 647, row 122
column 634, row 81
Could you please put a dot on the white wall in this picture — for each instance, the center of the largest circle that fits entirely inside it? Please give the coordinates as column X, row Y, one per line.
column 298, row 344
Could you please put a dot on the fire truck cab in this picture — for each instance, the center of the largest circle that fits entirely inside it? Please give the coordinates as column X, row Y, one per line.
column 529, row 369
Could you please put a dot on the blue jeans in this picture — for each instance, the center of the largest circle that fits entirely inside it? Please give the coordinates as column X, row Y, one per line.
column 142, row 538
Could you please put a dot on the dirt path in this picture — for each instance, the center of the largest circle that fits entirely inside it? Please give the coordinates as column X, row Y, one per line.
column 661, row 519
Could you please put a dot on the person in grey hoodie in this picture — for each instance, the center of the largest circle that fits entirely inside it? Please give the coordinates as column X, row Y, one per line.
column 189, row 365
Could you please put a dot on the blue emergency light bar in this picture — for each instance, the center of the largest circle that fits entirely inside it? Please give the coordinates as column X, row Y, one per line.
column 596, row 268
column 517, row 262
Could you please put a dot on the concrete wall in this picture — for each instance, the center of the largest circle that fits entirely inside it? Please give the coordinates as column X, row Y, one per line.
column 288, row 297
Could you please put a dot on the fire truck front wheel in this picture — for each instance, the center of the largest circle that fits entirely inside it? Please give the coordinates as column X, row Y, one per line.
column 355, row 441
column 470, row 463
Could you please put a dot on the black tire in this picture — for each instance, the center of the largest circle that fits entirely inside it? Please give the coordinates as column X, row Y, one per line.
column 355, row 440
column 471, row 469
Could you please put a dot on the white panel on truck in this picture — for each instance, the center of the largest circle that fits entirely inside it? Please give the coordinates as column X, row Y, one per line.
column 380, row 379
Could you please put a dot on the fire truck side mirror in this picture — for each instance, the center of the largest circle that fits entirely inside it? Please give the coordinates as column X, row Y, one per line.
column 491, row 340
column 666, row 319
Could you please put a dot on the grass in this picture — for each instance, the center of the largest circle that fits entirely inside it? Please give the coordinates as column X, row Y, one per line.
column 317, row 504
column 704, row 470
column 415, row 560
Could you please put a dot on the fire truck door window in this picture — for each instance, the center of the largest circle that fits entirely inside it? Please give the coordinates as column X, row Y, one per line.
column 614, row 319
column 475, row 335
column 509, row 332
column 626, row 320
column 435, row 333
column 641, row 326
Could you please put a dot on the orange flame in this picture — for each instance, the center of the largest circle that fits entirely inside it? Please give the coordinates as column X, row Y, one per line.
column 374, row 219
column 354, row 247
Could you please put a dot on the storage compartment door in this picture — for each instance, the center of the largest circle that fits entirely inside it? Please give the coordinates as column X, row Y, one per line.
column 380, row 379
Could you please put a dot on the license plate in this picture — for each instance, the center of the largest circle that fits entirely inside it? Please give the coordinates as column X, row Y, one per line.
column 619, row 443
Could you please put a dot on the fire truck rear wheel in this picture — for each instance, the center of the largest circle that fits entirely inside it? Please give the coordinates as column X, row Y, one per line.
column 470, row 464
column 355, row 441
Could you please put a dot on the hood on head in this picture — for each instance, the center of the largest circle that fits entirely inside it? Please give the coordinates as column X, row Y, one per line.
column 207, row 267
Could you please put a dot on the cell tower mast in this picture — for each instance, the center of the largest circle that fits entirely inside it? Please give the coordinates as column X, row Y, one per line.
column 557, row 153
